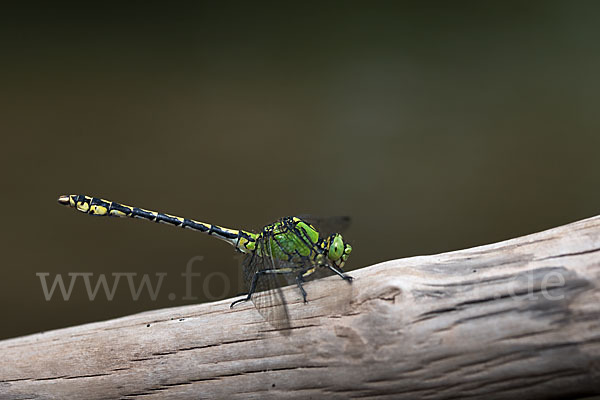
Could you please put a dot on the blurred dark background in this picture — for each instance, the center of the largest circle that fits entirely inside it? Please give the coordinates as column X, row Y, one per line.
column 435, row 125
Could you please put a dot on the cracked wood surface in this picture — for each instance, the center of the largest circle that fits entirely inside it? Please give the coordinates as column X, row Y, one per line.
column 515, row 318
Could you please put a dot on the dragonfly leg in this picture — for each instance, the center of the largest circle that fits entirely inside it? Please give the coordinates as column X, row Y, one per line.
column 240, row 300
column 251, row 290
column 309, row 272
column 257, row 274
column 340, row 273
column 299, row 281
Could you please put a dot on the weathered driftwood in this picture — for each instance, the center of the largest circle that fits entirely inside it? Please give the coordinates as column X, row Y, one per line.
column 516, row 319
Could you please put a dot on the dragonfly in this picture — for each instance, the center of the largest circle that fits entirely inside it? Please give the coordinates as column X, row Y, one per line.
column 285, row 252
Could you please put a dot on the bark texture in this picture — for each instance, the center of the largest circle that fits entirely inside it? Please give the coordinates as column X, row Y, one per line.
column 519, row 318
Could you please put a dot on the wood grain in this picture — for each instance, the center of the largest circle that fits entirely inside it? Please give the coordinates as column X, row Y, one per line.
column 520, row 318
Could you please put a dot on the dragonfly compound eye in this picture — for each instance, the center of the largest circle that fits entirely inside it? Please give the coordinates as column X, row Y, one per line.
column 336, row 248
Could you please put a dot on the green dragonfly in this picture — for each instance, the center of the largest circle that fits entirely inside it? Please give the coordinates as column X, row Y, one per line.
column 285, row 252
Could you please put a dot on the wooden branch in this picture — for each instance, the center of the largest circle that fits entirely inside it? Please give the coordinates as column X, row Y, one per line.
column 516, row 318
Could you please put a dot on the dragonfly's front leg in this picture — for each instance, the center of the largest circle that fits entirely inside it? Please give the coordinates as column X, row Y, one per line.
column 342, row 275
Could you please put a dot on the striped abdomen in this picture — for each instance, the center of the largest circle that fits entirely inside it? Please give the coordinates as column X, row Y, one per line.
column 244, row 241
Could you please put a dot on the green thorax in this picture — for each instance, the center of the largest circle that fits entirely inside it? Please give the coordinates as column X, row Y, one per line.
column 292, row 239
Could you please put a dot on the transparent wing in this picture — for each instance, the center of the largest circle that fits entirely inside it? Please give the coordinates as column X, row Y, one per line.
column 268, row 297
column 328, row 225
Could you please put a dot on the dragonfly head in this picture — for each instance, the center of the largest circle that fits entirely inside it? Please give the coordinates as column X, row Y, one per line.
column 339, row 251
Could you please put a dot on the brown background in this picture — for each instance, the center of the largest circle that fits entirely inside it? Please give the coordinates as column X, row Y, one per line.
column 436, row 125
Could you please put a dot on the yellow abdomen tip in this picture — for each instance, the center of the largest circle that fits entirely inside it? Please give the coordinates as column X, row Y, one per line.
column 64, row 200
